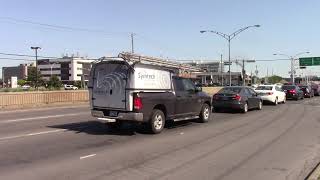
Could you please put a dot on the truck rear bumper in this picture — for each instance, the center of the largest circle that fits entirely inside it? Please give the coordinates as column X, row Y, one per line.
column 123, row 116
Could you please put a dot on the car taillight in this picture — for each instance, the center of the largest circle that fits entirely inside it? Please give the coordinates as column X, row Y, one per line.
column 237, row 97
column 270, row 93
column 137, row 103
column 292, row 91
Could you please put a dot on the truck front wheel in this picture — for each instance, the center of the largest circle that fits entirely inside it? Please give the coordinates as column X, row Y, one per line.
column 205, row 113
column 157, row 121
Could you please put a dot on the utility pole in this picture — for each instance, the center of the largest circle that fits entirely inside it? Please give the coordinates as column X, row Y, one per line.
column 132, row 47
column 221, row 70
column 36, row 51
column 243, row 74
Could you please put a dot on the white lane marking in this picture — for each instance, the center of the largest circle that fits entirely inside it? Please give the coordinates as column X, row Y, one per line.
column 88, row 156
column 42, row 109
column 31, row 134
column 42, row 117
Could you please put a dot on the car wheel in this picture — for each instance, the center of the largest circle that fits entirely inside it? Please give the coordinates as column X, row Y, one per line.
column 260, row 105
column 205, row 113
column 157, row 121
column 245, row 108
column 275, row 101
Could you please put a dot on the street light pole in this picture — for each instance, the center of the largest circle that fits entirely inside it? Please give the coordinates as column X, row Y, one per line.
column 36, row 51
column 292, row 59
column 229, row 37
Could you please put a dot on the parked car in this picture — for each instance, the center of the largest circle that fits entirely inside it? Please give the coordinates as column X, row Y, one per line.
column 316, row 89
column 307, row 91
column 293, row 92
column 70, row 87
column 144, row 93
column 25, row 87
column 238, row 98
column 271, row 93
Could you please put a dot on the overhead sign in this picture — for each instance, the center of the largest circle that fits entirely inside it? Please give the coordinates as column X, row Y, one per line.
column 309, row 61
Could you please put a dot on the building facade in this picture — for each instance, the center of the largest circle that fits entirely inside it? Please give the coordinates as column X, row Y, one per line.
column 21, row 72
column 67, row 69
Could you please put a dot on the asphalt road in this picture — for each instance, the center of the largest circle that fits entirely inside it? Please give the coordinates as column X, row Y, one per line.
column 278, row 142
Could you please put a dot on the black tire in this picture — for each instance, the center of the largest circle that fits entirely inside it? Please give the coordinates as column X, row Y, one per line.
column 245, row 108
column 276, row 101
column 157, row 121
column 205, row 113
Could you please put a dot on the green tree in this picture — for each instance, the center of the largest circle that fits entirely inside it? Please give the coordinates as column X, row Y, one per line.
column 21, row 82
column 54, row 83
column 274, row 79
column 32, row 76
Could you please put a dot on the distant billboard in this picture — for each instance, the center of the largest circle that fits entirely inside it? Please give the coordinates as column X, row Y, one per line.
column 14, row 82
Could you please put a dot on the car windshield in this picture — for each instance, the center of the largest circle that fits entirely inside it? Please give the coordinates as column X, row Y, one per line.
column 230, row 90
column 288, row 87
column 264, row 88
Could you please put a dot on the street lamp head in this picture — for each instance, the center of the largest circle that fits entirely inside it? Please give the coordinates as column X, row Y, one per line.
column 257, row 25
column 35, row 47
column 275, row 54
column 203, row 31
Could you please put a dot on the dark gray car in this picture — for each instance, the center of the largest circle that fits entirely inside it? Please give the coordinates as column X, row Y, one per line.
column 238, row 98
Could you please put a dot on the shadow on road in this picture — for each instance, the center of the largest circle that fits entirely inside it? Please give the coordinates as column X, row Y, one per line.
column 126, row 129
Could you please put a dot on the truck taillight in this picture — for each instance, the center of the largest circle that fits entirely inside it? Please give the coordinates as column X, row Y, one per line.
column 137, row 103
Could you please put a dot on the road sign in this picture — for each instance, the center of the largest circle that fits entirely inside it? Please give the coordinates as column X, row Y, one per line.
column 316, row 61
column 309, row 61
column 305, row 61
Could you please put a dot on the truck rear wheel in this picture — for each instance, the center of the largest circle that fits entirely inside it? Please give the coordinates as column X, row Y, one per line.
column 205, row 113
column 157, row 121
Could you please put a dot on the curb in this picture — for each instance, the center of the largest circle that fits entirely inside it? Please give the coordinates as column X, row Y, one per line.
column 315, row 174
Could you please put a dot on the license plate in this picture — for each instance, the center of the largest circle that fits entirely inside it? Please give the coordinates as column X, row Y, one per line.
column 97, row 113
column 113, row 113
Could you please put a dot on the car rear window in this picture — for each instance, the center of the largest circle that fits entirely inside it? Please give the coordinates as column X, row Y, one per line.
column 288, row 87
column 230, row 90
column 264, row 88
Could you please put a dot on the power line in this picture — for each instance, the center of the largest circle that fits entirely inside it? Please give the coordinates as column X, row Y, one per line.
column 16, row 59
column 55, row 27
column 24, row 55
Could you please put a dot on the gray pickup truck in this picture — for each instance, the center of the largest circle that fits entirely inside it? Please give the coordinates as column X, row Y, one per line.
column 144, row 93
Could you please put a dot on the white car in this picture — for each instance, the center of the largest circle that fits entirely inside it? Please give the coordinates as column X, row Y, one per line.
column 271, row 93
column 70, row 87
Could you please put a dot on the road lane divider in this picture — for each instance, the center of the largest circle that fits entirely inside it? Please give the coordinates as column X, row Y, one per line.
column 88, row 156
column 31, row 134
column 43, row 117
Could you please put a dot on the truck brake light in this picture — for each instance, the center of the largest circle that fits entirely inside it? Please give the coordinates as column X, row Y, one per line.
column 137, row 103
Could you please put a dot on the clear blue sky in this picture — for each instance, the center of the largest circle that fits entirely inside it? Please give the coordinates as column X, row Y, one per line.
column 164, row 28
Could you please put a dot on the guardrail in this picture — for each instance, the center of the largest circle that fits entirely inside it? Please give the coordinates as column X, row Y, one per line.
column 23, row 99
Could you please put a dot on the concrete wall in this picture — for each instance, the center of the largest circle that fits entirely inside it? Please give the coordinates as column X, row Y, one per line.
column 11, row 100
column 36, row 99
column 211, row 90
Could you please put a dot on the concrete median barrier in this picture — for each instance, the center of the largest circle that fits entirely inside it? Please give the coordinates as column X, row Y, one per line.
column 211, row 90
column 11, row 100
